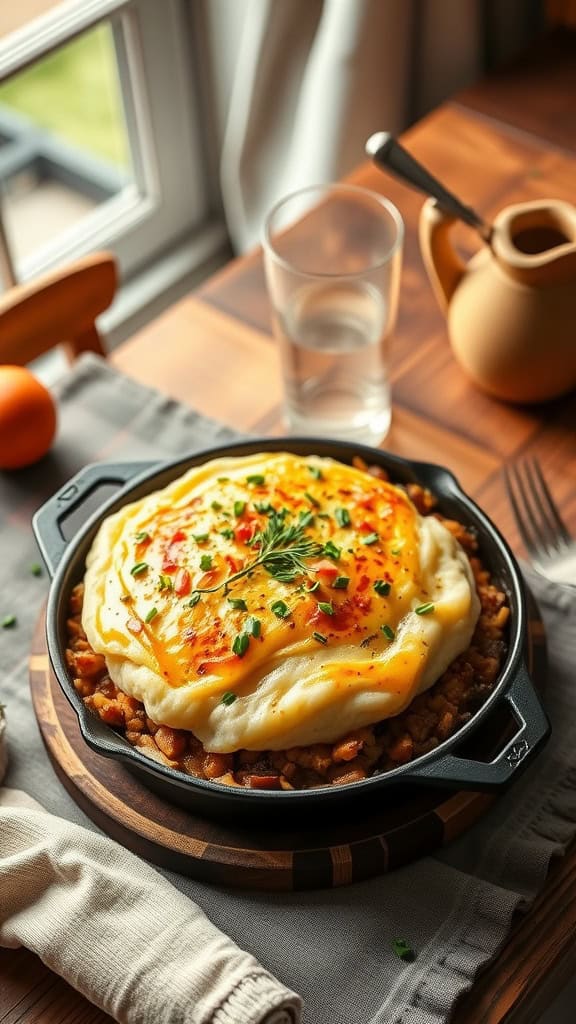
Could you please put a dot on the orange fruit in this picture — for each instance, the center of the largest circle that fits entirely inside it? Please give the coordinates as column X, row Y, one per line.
column 27, row 418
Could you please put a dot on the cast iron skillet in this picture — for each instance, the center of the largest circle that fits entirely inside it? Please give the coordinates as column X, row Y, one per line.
column 59, row 518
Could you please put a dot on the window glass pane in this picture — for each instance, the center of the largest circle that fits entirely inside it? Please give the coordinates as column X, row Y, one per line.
column 64, row 147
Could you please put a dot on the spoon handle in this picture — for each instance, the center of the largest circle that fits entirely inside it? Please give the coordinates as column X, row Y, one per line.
column 390, row 156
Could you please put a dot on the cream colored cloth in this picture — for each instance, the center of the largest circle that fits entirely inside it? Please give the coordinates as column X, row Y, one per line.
column 119, row 932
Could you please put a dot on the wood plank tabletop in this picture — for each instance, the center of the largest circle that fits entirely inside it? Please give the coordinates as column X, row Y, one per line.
column 511, row 138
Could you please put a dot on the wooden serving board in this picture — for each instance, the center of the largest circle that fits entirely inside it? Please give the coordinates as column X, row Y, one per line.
column 411, row 825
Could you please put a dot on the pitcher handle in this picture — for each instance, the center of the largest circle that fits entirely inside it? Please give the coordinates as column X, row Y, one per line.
column 443, row 264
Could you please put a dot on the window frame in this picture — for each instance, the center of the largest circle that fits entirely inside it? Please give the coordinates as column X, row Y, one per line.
column 169, row 200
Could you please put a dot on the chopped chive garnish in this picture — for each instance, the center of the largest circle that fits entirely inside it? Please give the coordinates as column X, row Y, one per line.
column 280, row 609
column 388, row 632
column 206, row 562
column 327, row 607
column 223, row 479
column 239, row 507
column 341, row 582
column 331, row 550
column 253, row 626
column 424, row 609
column 8, row 621
column 151, row 615
column 238, row 603
column 256, row 478
column 342, row 517
column 395, row 551
column 306, row 518
column 193, row 600
column 324, row 515
column 313, row 586
column 319, row 637
column 315, row 472
column 371, row 538
column 241, row 644
column 165, row 583
column 36, row 569
column 312, row 499
column 200, row 538
column 228, row 698
column 142, row 536
column 139, row 568
column 216, row 505
column 403, row 950
column 382, row 587
column 227, row 532
column 264, row 507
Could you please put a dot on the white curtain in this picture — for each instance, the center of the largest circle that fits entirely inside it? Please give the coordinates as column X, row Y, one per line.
column 299, row 85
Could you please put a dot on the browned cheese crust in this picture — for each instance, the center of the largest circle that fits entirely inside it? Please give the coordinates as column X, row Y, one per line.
column 430, row 719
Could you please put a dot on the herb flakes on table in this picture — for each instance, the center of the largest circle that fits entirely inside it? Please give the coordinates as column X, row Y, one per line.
column 403, row 950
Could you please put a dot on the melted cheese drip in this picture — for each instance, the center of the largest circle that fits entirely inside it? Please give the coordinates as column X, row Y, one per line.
column 290, row 688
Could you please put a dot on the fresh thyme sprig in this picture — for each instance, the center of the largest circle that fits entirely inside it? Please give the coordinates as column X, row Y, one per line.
column 283, row 549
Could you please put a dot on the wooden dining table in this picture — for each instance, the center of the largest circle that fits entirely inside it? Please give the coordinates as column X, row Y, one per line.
column 512, row 137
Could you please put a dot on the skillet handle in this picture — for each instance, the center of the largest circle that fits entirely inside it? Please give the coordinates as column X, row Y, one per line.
column 533, row 730
column 56, row 522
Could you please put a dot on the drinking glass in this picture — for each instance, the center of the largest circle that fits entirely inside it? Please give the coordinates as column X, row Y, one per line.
column 332, row 256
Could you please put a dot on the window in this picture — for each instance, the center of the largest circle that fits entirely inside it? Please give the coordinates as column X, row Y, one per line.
column 99, row 135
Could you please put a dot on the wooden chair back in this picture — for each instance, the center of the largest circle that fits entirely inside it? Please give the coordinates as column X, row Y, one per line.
column 59, row 308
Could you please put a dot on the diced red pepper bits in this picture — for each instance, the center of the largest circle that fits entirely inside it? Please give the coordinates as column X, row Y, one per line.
column 325, row 569
column 182, row 582
column 245, row 531
column 367, row 503
column 234, row 564
column 172, row 552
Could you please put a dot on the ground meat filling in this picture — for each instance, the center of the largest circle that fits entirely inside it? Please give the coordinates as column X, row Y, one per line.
column 430, row 719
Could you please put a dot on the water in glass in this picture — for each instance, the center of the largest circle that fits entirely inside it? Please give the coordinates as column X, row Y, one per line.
column 333, row 339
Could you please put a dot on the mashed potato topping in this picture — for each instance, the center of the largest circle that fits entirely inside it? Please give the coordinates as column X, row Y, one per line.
column 275, row 600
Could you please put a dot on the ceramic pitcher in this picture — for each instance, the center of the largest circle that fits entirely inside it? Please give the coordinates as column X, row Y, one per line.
column 511, row 312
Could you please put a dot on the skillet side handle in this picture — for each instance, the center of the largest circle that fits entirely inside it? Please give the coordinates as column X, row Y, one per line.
column 48, row 520
column 533, row 731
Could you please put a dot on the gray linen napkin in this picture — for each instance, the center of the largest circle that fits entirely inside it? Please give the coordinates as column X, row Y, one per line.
column 334, row 947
